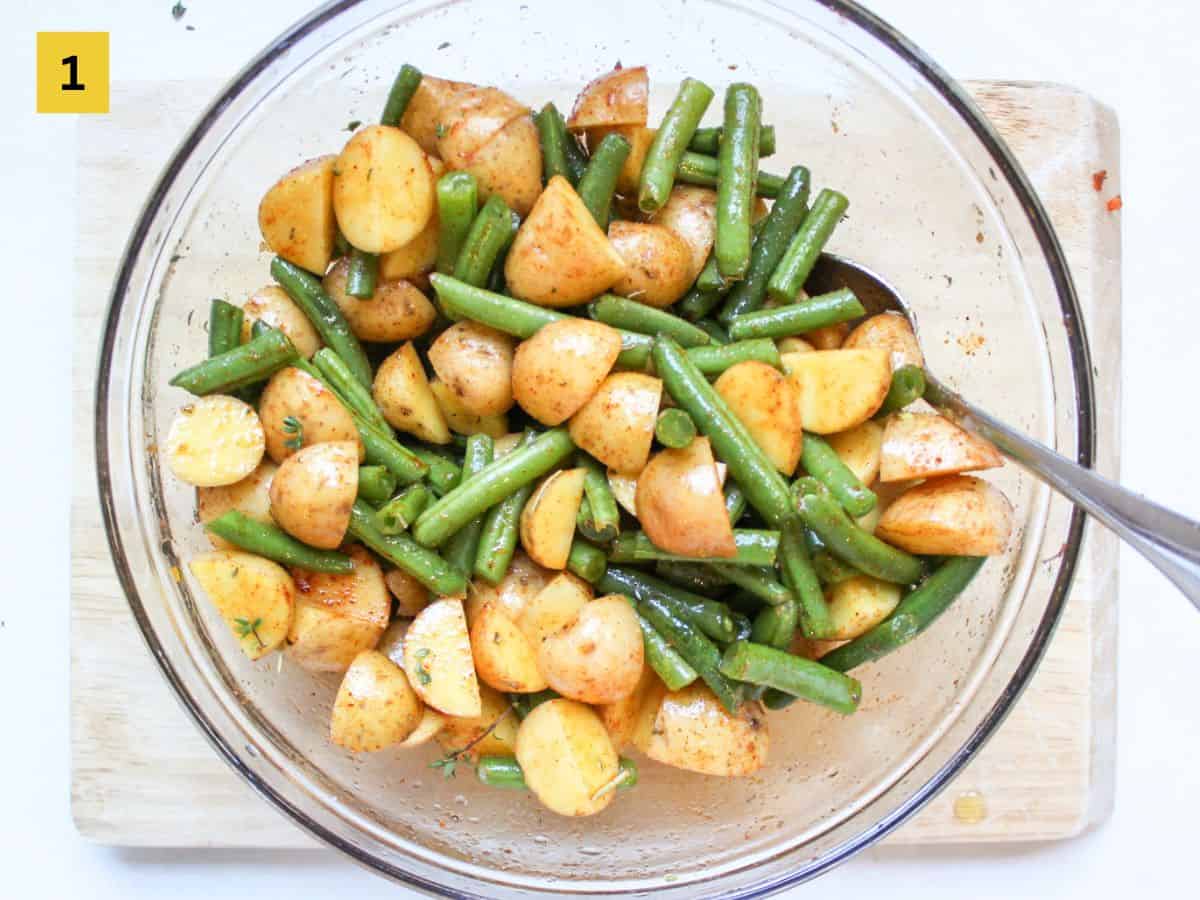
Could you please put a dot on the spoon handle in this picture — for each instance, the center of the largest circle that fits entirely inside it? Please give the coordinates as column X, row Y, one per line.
column 1168, row 540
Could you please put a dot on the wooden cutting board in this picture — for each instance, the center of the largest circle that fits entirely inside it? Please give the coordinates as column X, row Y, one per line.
column 142, row 775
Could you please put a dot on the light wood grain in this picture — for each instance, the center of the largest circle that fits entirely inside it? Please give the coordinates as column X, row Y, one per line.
column 142, row 775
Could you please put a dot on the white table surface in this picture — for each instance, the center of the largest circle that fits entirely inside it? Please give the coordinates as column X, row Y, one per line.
column 1136, row 55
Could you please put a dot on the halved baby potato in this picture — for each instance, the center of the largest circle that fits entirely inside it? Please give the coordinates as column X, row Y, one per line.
column 251, row 497
column 382, row 189
column 858, row 604
column 567, row 757
column 460, row 419
column 296, row 405
column 693, row 731
column 476, row 363
column 548, row 519
column 417, row 258
column 624, row 488
column 437, row 653
column 296, row 215
column 510, row 165
column 375, row 707
column 891, row 332
column 955, row 515
column 313, row 492
column 619, row 97
column 794, row 344
column 831, row 337
column 273, row 306
column 254, row 596
column 401, row 390
column 680, row 503
column 470, row 119
column 657, row 262
column 215, row 440
column 410, row 595
column 859, row 449
column 423, row 116
column 459, row 732
column 617, row 424
column 640, row 138
column 391, row 645
column 691, row 212
column 769, row 406
column 560, row 368
column 504, row 658
column 923, row 445
column 397, row 311
column 598, row 658
column 838, row 388
column 621, row 716
column 553, row 608
column 519, row 586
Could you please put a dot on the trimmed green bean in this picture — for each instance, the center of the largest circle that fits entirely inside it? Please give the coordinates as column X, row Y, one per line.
column 762, row 583
column 831, row 570
column 703, row 170
column 275, row 543
column 710, row 616
column 553, row 137
column 715, row 331
column 908, row 384
column 802, row 253
column 861, row 549
column 463, row 546
column 737, row 161
column 775, row 626
column 599, row 181
column 822, row 462
column 587, row 561
column 362, row 274
column 375, row 484
column 444, row 474
column 224, row 327
column 742, row 625
column 501, row 525
column 401, row 511
column 501, row 772
column 403, row 552
column 710, row 280
column 735, row 501
column 603, row 516
column 407, row 80
column 664, row 659
column 757, row 664
column 716, row 358
column 802, row 582
column 701, row 653
column 698, row 303
column 695, row 577
column 244, row 365
column 576, row 159
column 458, row 204
column 797, row 318
column 708, row 140
column 354, row 395
column 489, row 235
column 674, row 428
column 623, row 313
column 670, row 143
column 754, row 548
column 259, row 328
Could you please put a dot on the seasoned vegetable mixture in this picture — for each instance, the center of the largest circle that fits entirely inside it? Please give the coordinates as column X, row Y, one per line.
column 546, row 452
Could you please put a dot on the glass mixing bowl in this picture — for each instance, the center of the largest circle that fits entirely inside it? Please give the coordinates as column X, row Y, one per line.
column 938, row 206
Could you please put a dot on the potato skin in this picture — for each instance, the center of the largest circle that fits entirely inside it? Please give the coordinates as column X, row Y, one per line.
column 640, row 138
column 599, row 657
column 461, row 420
column 680, row 503
column 375, row 707
column 522, row 583
column 397, row 312
column 619, row 97
column 272, row 305
column 548, row 519
column 470, row 119
column 251, row 497
column 424, row 112
column 296, row 215
column 567, row 757
column 313, row 492
column 955, row 515
column 322, row 417
column 460, row 731
column 890, row 331
column 923, row 445
column 561, row 367
column 768, row 405
column 691, row 213
column 692, row 731
column 621, row 716
column 246, row 587
column 401, row 390
column 475, row 362
column 553, row 608
column 510, row 165
column 617, row 425
column 658, row 263
column 410, row 595
column 504, row 658
column 382, row 189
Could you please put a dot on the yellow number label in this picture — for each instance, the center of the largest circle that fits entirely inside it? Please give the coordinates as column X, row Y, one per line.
column 72, row 72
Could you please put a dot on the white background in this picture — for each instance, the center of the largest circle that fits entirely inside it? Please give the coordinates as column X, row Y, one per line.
column 1138, row 56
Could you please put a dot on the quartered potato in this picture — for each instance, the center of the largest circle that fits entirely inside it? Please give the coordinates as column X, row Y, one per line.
column 375, row 707
column 624, row 488
column 769, row 406
column 567, row 758
column 621, row 716
column 410, row 595
column 251, row 497
column 272, row 305
column 313, row 492
column 858, row 604
column 657, row 262
column 560, row 368
column 383, row 189
column 296, row 215
column 640, row 138
column 619, row 97
column 598, row 658
column 548, row 519
column 828, row 338
column 691, row 212
column 391, row 645
column 617, row 425
column 460, row 419
column 521, row 583
column 416, row 259
column 437, row 655
column 510, row 166
column 793, row 344
column 859, row 448
column 470, row 119
column 254, row 596
column 838, row 388
column 397, row 311
column 956, row 515
column 338, row 616
column 462, row 731
column 553, row 608
column 423, row 116
column 680, row 503
column 214, row 441
column 297, row 410
column 922, row 445
column 691, row 730
column 504, row 658
column 401, row 390
column 560, row 256
column 476, row 363
column 889, row 331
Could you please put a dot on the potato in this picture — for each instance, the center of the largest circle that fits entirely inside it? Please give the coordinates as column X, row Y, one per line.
column 338, row 616
column 828, row 338
column 794, row 344
column 859, row 448
column 870, row 521
column 295, row 395
column 382, row 189
column 396, row 312
column 504, row 658
column 553, row 608
column 617, row 425
column 272, row 305
column 475, row 362
column 401, row 391
column 313, row 492
column 691, row 212
column 922, row 445
column 472, row 118
column 657, row 262
column 214, row 441
column 955, row 515
column 693, row 731
column 891, row 332
column 767, row 404
column 680, row 503
column 437, row 651
column 460, row 420
column 251, row 497
column 640, row 138
column 838, row 388
column 461, row 731
column 567, row 758
column 619, row 97
column 858, row 604
column 598, row 658
column 254, row 596
column 510, row 165
column 417, row 258
column 375, row 707
column 296, row 215
column 548, row 519
column 423, row 115
column 560, row 256
column 391, row 645
column 561, row 367
column 621, row 716
column 410, row 595
column 624, row 488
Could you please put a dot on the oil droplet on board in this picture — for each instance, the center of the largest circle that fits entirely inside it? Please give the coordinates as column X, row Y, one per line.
column 970, row 808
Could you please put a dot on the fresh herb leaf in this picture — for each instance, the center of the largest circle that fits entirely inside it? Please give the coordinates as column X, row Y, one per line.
column 423, row 675
column 440, row 130
column 177, row 11
column 449, row 763
column 245, row 628
column 353, row 125
column 294, row 427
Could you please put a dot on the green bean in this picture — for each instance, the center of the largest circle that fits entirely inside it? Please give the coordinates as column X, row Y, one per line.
column 757, row 664
column 908, row 383
column 775, row 626
column 587, row 561
column 457, row 203
column 831, row 570
column 765, row 488
column 762, row 583
column 515, row 317
column 405, row 553
column 501, row 772
column 786, row 215
column 743, row 626
column 802, row 253
column 353, row 394
column 259, row 328
column 695, row 577
column 822, row 462
column 664, row 659
column 401, row 511
column 716, row 358
column 599, row 180
column 914, row 614
column 737, row 160
column 341, row 246
column 408, row 79
column 576, row 159
column 697, row 302
column 807, row 484
column 444, row 474
column 670, row 143
column 754, row 548
column 735, row 501
column 862, row 550
column 701, row 654
column 710, row 280
column 501, row 526
column 307, row 293
column 224, row 327
column 797, row 318
column 362, row 274
column 604, row 517
column 524, row 704
column 622, row 313
column 244, row 365
column 674, row 428
column 463, row 546
column 272, row 542
column 715, row 331
column 710, row 616
column 553, row 137
column 708, row 140
column 375, row 484
column 703, row 170
column 489, row 235
column 801, row 580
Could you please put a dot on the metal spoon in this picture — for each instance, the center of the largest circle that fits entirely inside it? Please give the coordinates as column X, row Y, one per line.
column 1171, row 542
